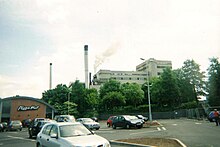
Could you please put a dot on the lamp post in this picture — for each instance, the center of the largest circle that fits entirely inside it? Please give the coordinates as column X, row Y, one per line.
column 68, row 102
column 148, row 93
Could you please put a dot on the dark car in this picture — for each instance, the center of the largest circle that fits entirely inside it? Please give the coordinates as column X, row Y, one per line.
column 26, row 122
column 127, row 121
column 3, row 125
column 14, row 125
column 1, row 128
column 35, row 128
column 109, row 121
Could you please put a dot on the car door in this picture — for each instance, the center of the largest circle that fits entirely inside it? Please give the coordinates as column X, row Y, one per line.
column 54, row 142
column 121, row 121
column 45, row 136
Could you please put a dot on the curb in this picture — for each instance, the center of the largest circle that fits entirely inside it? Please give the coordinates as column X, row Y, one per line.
column 182, row 144
column 115, row 142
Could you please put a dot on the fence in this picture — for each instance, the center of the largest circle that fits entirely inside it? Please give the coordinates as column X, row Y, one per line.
column 197, row 113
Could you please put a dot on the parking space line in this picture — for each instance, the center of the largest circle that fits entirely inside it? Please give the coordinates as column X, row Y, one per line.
column 143, row 132
column 14, row 137
column 158, row 129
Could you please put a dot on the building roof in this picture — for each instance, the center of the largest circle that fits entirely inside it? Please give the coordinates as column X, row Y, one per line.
column 27, row 98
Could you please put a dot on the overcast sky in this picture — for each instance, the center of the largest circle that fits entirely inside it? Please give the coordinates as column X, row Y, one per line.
column 34, row 33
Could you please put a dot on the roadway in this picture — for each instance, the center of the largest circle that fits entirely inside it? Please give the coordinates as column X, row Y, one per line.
column 192, row 133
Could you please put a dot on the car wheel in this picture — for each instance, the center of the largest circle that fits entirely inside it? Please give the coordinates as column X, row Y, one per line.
column 30, row 135
column 127, row 126
column 113, row 126
column 39, row 145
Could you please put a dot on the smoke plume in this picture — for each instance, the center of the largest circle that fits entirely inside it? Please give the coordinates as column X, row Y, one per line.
column 99, row 59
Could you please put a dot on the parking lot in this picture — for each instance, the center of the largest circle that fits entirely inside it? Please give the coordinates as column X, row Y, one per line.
column 190, row 132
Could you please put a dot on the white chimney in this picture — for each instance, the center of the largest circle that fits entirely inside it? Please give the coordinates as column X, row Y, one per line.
column 50, row 85
column 86, row 66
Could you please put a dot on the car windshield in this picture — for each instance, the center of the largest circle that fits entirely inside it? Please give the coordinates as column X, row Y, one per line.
column 130, row 117
column 73, row 130
column 15, row 122
column 87, row 120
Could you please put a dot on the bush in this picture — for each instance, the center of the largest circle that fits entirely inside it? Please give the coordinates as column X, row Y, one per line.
column 189, row 105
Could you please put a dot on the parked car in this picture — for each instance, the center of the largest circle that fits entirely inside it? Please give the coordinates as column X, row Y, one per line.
column 35, row 128
column 109, row 121
column 126, row 121
column 1, row 128
column 68, row 134
column 89, row 123
column 26, row 122
column 142, row 117
column 3, row 125
column 95, row 119
column 14, row 125
column 64, row 118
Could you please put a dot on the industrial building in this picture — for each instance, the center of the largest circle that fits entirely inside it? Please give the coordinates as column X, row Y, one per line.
column 103, row 76
column 151, row 68
column 154, row 67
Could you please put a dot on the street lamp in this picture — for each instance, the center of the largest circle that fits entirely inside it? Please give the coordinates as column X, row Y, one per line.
column 68, row 102
column 148, row 93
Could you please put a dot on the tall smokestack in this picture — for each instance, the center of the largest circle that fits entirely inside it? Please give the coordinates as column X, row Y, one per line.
column 86, row 66
column 50, row 76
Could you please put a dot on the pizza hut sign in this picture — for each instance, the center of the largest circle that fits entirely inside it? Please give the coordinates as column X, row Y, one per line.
column 27, row 108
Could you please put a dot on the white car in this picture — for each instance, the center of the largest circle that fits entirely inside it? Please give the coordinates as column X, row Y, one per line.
column 68, row 134
column 89, row 123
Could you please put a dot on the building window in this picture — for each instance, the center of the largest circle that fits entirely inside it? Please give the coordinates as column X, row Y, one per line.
column 129, row 78
column 138, row 78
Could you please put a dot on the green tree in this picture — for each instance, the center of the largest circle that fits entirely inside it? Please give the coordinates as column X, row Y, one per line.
column 110, row 86
column 214, row 82
column 57, row 95
column 78, row 96
column 92, row 98
column 186, row 89
column 133, row 93
column 58, row 98
column 67, row 108
column 113, row 100
column 191, row 72
column 165, row 91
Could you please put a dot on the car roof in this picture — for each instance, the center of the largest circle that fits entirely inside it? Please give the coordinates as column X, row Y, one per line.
column 63, row 123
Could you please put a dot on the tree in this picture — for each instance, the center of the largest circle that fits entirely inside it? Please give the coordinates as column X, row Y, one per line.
column 67, row 108
column 57, row 95
column 186, row 90
column 191, row 72
column 165, row 90
column 110, row 86
column 113, row 100
column 133, row 93
column 92, row 98
column 78, row 96
column 214, row 82
column 58, row 98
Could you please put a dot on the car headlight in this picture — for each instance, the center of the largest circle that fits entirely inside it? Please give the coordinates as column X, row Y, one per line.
column 107, row 144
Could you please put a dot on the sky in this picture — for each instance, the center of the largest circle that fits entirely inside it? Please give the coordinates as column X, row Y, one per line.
column 35, row 33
